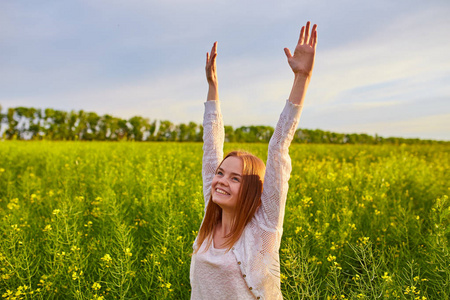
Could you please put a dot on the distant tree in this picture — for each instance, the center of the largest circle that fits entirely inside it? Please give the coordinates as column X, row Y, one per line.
column 123, row 131
column 199, row 135
column 108, row 128
column 166, row 131
column 182, row 132
column 229, row 134
column 61, row 125
column 300, row 136
column 35, row 128
column 28, row 121
column 264, row 133
column 32, row 123
column 72, row 121
column 138, row 128
column 93, row 128
column 11, row 131
column 81, row 126
column 151, row 131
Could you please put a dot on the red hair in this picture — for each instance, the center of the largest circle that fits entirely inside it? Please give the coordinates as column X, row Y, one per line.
column 249, row 199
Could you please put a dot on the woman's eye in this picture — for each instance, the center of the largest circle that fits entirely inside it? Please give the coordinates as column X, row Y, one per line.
column 236, row 179
column 219, row 173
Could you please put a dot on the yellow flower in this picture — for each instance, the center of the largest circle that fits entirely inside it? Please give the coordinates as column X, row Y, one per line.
column 106, row 258
column 96, row 286
column 13, row 204
column 386, row 277
column 331, row 258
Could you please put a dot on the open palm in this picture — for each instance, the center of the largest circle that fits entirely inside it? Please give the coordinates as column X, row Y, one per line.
column 302, row 62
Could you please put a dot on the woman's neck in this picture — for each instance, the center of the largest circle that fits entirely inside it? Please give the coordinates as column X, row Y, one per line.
column 226, row 224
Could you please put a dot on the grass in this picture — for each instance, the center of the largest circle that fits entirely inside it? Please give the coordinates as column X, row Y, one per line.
column 105, row 220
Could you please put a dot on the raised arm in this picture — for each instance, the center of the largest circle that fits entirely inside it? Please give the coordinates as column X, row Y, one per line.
column 278, row 168
column 213, row 130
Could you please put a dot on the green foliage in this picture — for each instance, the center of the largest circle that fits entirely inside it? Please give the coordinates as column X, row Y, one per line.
column 34, row 124
column 117, row 220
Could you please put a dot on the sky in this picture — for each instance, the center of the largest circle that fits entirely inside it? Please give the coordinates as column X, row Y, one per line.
column 382, row 67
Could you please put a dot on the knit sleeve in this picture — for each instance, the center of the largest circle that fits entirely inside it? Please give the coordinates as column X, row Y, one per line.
column 278, row 168
column 213, row 139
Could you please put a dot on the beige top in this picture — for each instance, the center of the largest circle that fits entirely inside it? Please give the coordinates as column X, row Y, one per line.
column 256, row 252
column 216, row 275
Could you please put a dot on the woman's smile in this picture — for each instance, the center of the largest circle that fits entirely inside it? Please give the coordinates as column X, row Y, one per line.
column 220, row 191
column 227, row 183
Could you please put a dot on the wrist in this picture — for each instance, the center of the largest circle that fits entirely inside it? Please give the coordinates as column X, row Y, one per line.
column 213, row 92
column 213, row 84
column 301, row 78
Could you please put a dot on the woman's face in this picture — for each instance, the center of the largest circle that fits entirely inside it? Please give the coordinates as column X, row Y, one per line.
column 227, row 183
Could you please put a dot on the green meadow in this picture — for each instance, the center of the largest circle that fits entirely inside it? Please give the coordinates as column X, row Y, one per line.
column 116, row 220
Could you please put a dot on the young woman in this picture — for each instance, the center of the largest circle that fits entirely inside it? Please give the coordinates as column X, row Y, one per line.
column 236, row 250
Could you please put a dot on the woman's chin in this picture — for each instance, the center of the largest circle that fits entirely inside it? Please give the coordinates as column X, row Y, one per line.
column 219, row 201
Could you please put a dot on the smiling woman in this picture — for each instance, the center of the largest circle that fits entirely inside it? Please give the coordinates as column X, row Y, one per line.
column 236, row 250
column 236, row 195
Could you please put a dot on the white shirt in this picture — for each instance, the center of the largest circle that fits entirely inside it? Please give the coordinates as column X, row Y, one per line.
column 215, row 269
column 256, row 251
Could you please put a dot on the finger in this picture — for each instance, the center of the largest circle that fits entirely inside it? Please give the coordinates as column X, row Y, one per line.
column 214, row 48
column 207, row 57
column 314, row 44
column 302, row 36
column 307, row 32
column 288, row 53
column 313, row 35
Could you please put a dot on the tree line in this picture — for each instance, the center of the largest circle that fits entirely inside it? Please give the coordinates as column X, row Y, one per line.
column 25, row 123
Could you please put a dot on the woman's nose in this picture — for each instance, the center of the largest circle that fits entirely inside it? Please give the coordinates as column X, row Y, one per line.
column 223, row 181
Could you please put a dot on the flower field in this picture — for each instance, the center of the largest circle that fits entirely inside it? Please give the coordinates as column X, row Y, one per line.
column 116, row 220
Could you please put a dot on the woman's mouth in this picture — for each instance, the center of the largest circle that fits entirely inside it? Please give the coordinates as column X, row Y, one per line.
column 220, row 191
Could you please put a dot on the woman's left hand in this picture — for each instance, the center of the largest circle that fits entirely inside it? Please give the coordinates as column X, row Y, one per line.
column 302, row 62
column 211, row 68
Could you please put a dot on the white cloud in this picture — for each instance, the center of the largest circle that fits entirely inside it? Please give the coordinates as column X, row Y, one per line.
column 411, row 48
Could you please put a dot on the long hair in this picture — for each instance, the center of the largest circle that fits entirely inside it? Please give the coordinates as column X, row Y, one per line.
column 249, row 199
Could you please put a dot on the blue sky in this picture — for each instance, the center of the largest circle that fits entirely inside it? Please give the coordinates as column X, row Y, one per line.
column 381, row 66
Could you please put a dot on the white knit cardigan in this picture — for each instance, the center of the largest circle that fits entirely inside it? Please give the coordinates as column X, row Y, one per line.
column 257, row 250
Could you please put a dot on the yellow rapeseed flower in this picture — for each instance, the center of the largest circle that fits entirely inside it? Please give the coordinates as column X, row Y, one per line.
column 386, row 277
column 13, row 204
column 106, row 258
column 96, row 286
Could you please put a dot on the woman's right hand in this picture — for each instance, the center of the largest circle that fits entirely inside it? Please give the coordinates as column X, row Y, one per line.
column 211, row 71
